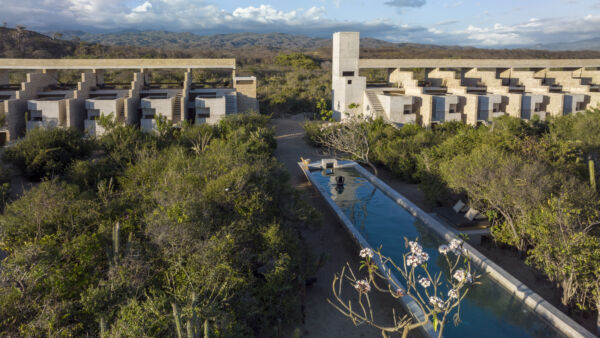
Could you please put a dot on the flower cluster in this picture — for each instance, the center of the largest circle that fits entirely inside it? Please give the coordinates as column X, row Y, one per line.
column 425, row 282
column 436, row 302
column 366, row 252
column 444, row 249
column 456, row 246
column 417, row 256
column 453, row 294
column 362, row 286
column 461, row 275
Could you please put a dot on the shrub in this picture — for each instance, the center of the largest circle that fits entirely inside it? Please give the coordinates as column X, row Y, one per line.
column 47, row 152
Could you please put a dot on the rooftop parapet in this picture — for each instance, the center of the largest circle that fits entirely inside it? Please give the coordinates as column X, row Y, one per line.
column 477, row 63
column 95, row 64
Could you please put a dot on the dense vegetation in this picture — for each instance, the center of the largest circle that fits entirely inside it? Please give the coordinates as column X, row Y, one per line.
column 154, row 235
column 534, row 180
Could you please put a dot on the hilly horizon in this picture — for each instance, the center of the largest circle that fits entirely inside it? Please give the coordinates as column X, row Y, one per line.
column 246, row 47
column 163, row 38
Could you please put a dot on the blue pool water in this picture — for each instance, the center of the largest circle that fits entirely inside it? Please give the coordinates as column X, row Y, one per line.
column 489, row 310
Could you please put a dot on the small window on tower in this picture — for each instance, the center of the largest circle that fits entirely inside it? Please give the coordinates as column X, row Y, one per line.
column 347, row 73
column 349, row 81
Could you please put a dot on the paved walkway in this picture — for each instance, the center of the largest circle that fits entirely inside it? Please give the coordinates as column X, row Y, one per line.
column 329, row 240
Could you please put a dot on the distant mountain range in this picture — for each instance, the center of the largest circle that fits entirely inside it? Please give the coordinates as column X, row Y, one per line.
column 246, row 47
column 589, row 44
column 165, row 39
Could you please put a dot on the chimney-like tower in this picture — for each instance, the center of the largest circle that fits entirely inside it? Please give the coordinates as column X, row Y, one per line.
column 347, row 87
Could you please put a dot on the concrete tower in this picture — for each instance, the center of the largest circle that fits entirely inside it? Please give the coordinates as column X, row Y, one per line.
column 347, row 87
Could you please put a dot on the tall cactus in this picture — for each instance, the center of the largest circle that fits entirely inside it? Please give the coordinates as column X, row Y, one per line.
column 592, row 174
column 177, row 320
column 102, row 327
column 190, row 332
column 115, row 236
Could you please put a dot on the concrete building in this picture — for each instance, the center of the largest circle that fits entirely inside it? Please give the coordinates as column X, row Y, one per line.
column 472, row 91
column 41, row 101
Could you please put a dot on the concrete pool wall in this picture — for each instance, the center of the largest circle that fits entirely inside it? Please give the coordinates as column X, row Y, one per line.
column 540, row 306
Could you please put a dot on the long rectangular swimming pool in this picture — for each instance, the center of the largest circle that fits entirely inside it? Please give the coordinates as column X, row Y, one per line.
column 489, row 310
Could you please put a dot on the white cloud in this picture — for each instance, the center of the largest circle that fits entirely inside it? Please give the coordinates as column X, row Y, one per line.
column 199, row 16
column 146, row 6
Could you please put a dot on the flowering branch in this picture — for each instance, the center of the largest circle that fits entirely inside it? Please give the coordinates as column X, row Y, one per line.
column 418, row 285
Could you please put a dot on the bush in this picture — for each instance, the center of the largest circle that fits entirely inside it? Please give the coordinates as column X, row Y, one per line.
column 47, row 152
column 177, row 239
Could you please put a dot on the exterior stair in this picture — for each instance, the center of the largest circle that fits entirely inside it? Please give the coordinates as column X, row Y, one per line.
column 177, row 109
column 376, row 106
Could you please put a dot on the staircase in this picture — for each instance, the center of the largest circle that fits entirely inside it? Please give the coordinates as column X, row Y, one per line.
column 376, row 106
column 177, row 109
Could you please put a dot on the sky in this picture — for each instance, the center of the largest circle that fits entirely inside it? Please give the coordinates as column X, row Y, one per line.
column 489, row 23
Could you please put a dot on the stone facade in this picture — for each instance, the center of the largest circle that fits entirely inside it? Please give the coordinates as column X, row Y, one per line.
column 41, row 102
column 473, row 91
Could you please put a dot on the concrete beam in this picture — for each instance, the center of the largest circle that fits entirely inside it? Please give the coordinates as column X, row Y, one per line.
column 117, row 63
column 478, row 63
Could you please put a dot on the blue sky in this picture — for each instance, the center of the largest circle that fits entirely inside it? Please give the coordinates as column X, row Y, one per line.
column 456, row 22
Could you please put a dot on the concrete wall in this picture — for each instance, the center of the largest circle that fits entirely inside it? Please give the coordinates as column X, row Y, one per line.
column 217, row 109
column 16, row 108
column 470, row 108
column 394, row 107
column 246, row 94
column 528, row 107
column 132, row 102
column 161, row 106
column 485, row 110
column 54, row 112
column 106, row 107
column 425, row 114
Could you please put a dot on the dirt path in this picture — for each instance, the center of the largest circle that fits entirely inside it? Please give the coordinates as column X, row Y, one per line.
column 329, row 240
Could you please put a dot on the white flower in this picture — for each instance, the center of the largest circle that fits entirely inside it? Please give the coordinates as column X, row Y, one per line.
column 400, row 293
column 436, row 302
column 424, row 257
column 366, row 252
column 453, row 294
column 425, row 282
column 456, row 243
column 456, row 246
column 443, row 249
column 415, row 248
column 460, row 275
column 412, row 260
column 362, row 286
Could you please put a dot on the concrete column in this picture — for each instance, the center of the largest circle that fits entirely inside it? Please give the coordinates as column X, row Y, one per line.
column 99, row 76
column 145, row 76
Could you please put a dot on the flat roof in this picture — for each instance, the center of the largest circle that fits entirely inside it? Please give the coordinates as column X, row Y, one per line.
column 116, row 63
column 478, row 63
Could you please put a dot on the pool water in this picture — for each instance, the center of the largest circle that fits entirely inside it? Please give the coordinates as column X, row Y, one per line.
column 489, row 310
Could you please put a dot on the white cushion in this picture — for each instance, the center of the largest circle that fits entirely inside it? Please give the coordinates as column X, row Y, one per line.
column 471, row 214
column 458, row 206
